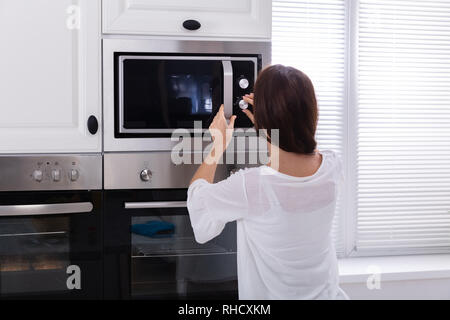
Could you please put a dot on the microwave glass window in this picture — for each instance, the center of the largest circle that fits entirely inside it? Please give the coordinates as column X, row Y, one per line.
column 165, row 94
column 191, row 95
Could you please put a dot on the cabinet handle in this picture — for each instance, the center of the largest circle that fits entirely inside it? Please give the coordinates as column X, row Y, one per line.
column 192, row 25
column 92, row 125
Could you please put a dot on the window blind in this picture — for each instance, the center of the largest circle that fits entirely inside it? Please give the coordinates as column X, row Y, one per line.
column 311, row 36
column 403, row 138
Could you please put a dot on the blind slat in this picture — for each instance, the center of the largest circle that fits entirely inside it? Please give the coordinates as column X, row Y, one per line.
column 403, row 121
column 403, row 110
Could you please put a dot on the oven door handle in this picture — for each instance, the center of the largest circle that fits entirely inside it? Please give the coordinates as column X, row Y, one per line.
column 45, row 209
column 227, row 88
column 155, row 205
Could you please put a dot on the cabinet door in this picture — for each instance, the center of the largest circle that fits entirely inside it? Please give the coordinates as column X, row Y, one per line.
column 229, row 18
column 50, row 75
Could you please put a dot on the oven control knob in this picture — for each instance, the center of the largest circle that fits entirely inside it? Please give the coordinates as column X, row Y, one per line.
column 56, row 175
column 38, row 175
column 74, row 175
column 243, row 105
column 244, row 83
column 146, row 175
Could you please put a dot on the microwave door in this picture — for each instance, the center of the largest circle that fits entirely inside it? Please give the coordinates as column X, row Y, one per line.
column 158, row 94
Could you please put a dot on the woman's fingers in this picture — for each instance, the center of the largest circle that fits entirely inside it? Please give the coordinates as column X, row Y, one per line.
column 231, row 124
column 219, row 115
column 221, row 111
column 248, row 99
column 249, row 115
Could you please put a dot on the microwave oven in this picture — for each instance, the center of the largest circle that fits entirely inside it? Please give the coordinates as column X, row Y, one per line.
column 153, row 87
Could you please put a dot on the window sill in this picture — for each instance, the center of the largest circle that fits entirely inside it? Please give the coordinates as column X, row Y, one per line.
column 396, row 268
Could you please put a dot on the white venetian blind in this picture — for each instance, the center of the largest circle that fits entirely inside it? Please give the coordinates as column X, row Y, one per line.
column 403, row 154
column 311, row 36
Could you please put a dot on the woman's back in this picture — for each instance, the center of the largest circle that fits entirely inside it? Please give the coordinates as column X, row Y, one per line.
column 284, row 216
column 284, row 229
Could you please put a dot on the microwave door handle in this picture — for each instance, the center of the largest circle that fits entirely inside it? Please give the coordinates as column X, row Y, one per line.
column 155, row 205
column 228, row 88
column 45, row 209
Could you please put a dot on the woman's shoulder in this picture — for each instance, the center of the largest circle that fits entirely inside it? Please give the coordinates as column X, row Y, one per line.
column 331, row 157
column 329, row 154
column 333, row 164
column 248, row 175
column 247, row 172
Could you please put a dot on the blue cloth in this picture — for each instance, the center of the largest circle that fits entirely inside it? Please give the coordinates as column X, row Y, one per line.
column 154, row 229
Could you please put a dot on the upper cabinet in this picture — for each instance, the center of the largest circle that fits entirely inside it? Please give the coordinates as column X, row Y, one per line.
column 197, row 18
column 50, row 76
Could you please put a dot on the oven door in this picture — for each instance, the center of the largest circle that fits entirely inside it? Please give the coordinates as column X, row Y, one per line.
column 151, row 253
column 156, row 94
column 50, row 245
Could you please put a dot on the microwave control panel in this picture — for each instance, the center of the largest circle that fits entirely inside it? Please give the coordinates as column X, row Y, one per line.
column 244, row 79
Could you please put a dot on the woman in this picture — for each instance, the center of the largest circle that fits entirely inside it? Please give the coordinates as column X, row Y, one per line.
column 284, row 213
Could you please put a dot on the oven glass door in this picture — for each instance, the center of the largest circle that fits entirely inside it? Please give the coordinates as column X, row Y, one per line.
column 157, row 94
column 50, row 245
column 164, row 261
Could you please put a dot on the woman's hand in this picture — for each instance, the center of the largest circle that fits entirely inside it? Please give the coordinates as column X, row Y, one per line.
column 221, row 132
column 249, row 98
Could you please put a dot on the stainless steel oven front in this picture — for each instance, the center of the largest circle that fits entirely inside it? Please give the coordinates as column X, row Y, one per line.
column 149, row 247
column 50, row 227
column 152, row 87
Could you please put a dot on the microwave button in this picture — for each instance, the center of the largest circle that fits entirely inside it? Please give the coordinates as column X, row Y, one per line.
column 243, row 105
column 244, row 83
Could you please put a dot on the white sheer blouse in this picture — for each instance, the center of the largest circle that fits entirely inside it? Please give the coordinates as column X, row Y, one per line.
column 284, row 243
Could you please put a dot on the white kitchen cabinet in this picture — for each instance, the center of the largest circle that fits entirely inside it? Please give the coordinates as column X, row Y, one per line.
column 218, row 18
column 50, row 75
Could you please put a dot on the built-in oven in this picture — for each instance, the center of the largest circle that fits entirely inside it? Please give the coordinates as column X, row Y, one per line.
column 153, row 87
column 50, row 227
column 150, row 249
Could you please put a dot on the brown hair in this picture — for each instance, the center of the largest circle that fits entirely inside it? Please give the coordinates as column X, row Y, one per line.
column 285, row 99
